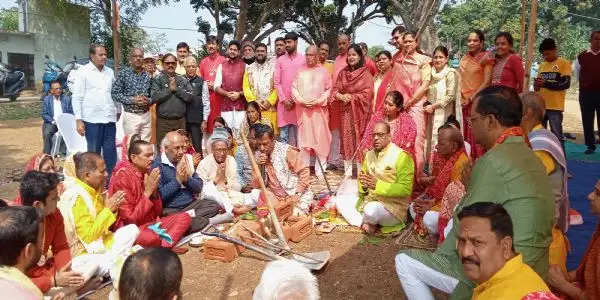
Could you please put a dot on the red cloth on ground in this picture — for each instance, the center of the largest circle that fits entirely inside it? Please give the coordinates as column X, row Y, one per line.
column 54, row 236
column 139, row 209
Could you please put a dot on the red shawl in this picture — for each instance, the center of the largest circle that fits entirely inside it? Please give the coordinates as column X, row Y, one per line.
column 359, row 84
column 588, row 272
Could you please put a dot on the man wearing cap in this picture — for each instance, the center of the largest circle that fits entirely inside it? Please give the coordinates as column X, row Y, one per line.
column 150, row 65
column 219, row 173
column 132, row 90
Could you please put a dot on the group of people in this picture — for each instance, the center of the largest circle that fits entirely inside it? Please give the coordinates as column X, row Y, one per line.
column 460, row 155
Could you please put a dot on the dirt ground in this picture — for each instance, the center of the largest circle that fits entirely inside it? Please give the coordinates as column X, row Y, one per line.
column 357, row 270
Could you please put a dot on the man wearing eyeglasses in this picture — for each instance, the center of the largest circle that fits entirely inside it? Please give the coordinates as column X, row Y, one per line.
column 54, row 104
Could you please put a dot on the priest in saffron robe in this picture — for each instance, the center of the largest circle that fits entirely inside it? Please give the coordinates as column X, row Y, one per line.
column 208, row 71
column 142, row 205
column 310, row 91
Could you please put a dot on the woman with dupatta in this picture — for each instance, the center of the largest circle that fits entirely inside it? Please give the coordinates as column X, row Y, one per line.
column 442, row 97
column 354, row 90
column 475, row 75
column 508, row 66
column 584, row 282
column 41, row 162
column 413, row 80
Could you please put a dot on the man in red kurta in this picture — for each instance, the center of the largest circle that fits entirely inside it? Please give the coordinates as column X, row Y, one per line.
column 208, row 71
column 40, row 190
column 229, row 85
column 142, row 205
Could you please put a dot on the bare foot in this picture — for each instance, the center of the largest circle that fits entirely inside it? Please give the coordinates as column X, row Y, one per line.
column 368, row 228
column 92, row 284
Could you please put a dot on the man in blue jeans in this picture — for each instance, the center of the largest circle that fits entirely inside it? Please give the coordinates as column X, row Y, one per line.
column 94, row 108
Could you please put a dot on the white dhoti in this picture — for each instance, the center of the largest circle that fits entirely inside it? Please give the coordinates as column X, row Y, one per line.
column 229, row 199
column 416, row 278
column 374, row 212
column 430, row 219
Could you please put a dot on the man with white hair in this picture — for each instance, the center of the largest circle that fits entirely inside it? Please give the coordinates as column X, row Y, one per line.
column 179, row 185
column 219, row 173
column 199, row 106
column 286, row 280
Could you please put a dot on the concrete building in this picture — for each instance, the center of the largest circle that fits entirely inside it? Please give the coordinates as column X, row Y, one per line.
column 61, row 32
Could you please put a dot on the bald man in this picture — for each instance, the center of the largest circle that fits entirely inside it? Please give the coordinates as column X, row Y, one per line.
column 449, row 161
column 132, row 90
column 198, row 108
column 310, row 90
column 549, row 150
column 180, row 185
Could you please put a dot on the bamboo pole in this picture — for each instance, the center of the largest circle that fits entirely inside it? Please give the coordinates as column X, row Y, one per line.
column 115, row 32
column 258, row 175
column 523, row 16
column 530, row 43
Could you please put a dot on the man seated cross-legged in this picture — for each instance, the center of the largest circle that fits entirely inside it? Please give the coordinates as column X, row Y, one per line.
column 385, row 183
column 89, row 214
column 142, row 204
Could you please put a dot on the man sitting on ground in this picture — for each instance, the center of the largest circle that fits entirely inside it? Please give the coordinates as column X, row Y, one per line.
column 142, row 205
column 89, row 214
column 51, row 274
column 179, row 185
column 485, row 247
column 385, row 183
column 244, row 166
column 149, row 274
column 287, row 173
column 449, row 160
column 508, row 174
column 219, row 174
column 21, row 235
column 548, row 149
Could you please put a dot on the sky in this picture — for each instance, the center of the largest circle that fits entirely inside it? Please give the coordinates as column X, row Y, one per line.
column 181, row 15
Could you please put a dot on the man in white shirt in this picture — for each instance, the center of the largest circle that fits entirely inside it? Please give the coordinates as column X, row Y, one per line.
column 54, row 104
column 94, row 108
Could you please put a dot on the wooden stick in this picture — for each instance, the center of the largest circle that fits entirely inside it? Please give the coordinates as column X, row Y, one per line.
column 530, row 44
column 256, row 172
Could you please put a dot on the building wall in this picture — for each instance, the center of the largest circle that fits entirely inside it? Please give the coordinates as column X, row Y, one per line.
column 60, row 33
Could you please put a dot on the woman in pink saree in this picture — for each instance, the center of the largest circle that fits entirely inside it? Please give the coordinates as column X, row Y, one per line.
column 413, row 82
column 354, row 89
column 389, row 106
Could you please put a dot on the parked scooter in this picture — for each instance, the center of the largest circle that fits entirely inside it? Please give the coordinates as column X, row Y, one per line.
column 52, row 72
column 12, row 82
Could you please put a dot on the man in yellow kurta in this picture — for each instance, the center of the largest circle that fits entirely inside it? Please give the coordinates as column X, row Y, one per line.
column 485, row 247
column 258, row 85
column 384, row 184
column 548, row 149
column 89, row 214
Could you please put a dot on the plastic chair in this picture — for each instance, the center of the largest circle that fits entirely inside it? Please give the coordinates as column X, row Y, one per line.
column 67, row 128
column 56, row 142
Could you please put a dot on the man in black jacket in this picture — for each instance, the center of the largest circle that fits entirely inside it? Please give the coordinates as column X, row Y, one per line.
column 171, row 92
column 199, row 108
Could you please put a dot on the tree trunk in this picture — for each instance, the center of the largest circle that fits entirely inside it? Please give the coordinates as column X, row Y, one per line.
column 530, row 43
column 242, row 21
column 523, row 16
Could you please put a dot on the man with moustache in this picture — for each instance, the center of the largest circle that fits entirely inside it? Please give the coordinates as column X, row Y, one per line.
column 142, row 204
column 279, row 46
column 286, row 68
column 132, row 90
column 229, row 84
column 258, row 84
column 488, row 257
column 324, row 57
column 171, row 93
column 183, row 51
column 199, row 107
column 248, row 54
column 208, row 71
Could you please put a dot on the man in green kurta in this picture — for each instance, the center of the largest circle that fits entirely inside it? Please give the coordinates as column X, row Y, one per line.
column 385, row 183
column 508, row 174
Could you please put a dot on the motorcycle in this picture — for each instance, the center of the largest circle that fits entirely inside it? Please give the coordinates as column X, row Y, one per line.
column 12, row 82
column 52, row 72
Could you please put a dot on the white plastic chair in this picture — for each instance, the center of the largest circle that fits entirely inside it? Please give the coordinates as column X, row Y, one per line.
column 68, row 130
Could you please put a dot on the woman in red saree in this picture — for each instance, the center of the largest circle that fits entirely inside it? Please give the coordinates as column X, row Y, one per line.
column 41, row 162
column 354, row 90
column 413, row 82
column 508, row 67
column 584, row 282
column 475, row 75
